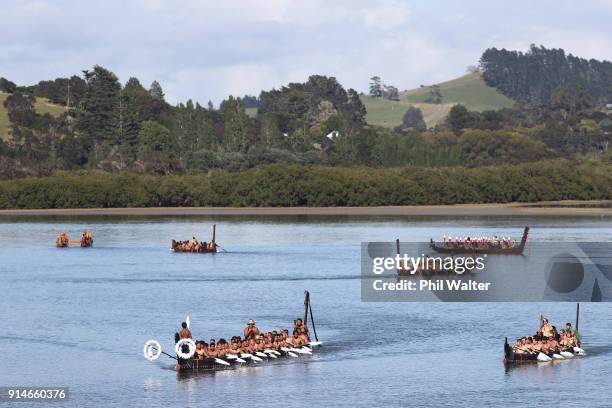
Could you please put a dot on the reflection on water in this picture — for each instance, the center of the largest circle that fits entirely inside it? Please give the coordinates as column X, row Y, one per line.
column 541, row 368
column 85, row 315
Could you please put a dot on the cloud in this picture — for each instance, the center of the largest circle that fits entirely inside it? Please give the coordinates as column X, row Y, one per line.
column 207, row 49
column 387, row 16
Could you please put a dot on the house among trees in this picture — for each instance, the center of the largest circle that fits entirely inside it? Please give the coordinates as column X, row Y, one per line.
column 332, row 135
column 609, row 106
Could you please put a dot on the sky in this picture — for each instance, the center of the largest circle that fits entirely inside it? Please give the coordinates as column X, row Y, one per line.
column 206, row 50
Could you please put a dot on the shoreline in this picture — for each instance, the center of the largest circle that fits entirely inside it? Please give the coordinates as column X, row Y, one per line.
column 570, row 208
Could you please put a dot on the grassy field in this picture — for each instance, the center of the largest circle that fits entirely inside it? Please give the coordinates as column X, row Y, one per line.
column 469, row 90
column 383, row 112
column 42, row 106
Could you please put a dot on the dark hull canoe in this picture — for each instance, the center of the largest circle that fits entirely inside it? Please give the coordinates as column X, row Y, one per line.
column 475, row 250
column 479, row 249
column 212, row 249
column 209, row 364
column 510, row 357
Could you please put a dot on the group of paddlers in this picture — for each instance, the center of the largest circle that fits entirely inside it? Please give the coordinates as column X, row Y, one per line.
column 193, row 245
column 252, row 341
column 479, row 242
column 63, row 239
column 548, row 340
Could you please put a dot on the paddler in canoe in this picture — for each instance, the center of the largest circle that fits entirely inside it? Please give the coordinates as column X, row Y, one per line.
column 480, row 244
column 201, row 350
column 63, row 240
column 275, row 340
column 569, row 339
column 86, row 239
column 301, row 328
column 235, row 346
column 195, row 246
column 477, row 243
column 298, row 339
column 570, row 330
column 547, row 340
column 255, row 346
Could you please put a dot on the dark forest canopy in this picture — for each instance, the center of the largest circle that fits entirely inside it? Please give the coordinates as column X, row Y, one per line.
column 537, row 76
column 117, row 127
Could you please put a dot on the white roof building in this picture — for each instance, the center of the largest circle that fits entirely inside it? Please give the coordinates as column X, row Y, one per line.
column 332, row 135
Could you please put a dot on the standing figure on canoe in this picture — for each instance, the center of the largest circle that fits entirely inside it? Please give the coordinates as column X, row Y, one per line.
column 546, row 328
column 184, row 333
column 251, row 331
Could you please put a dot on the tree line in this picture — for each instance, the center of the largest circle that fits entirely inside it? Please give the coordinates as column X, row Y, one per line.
column 538, row 76
column 294, row 185
column 115, row 127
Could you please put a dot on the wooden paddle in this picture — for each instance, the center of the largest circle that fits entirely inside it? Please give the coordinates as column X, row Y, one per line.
column 163, row 352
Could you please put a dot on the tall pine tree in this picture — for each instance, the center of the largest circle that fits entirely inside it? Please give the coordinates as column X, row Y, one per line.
column 131, row 116
column 156, row 91
column 97, row 116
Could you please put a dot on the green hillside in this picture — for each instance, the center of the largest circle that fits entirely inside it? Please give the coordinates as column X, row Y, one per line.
column 42, row 106
column 469, row 90
column 383, row 112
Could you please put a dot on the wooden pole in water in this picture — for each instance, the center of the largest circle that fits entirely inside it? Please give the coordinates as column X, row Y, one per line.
column 214, row 232
column 524, row 238
column 577, row 315
column 306, row 304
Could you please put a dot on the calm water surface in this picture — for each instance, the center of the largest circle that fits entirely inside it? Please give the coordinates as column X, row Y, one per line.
column 79, row 317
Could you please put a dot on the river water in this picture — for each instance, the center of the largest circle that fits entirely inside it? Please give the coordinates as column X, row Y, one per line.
column 79, row 317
